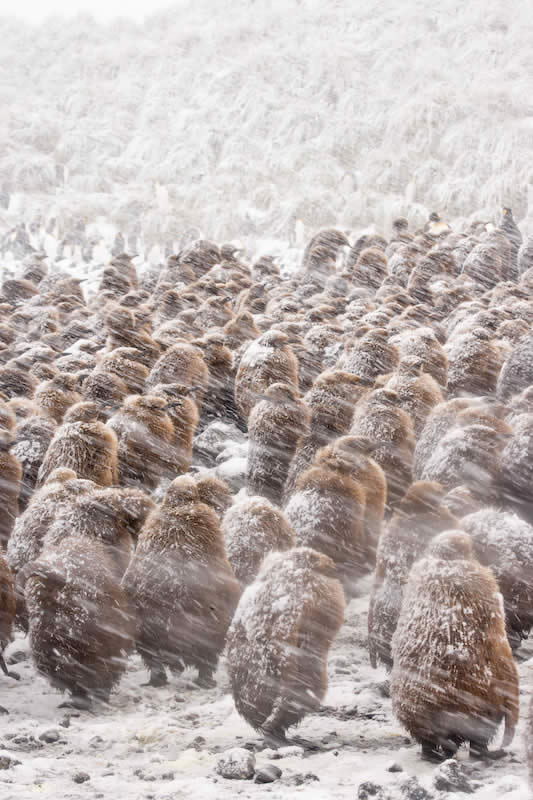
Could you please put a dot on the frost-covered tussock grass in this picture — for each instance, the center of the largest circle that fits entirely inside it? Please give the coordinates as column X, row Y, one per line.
column 243, row 123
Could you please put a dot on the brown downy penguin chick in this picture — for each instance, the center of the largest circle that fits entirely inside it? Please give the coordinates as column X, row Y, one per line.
column 41, row 372
column 182, row 363
column 200, row 256
column 474, row 364
column 124, row 265
column 400, row 228
column 327, row 512
column 239, row 330
column 96, row 515
column 182, row 586
column 105, row 389
column 10, row 476
column 469, row 456
column 331, row 401
column 512, row 233
column 135, row 506
column 183, row 413
column 279, row 640
column 89, row 448
column 32, row 439
column 441, row 419
column 504, row 542
column 356, row 453
column 16, row 382
column 460, row 502
column 380, row 418
column 364, row 242
column 370, row 269
column 122, row 328
column 418, row 518
column 270, row 359
column 214, row 312
column 84, row 411
column 80, row 623
column 55, row 396
column 124, row 363
column 218, row 401
column 274, row 427
column 145, row 437
column 215, row 493
column 23, row 408
column 417, row 392
column 517, row 371
column 370, row 357
column 454, row 679
column 517, row 468
column 320, row 255
column 17, row 291
column 8, row 605
column 114, row 282
column 253, row 528
column 423, row 344
column 62, row 487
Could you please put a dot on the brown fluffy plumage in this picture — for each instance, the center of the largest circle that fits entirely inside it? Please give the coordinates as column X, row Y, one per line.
column 252, row 529
column 265, row 361
column 279, row 640
column 274, row 427
column 419, row 517
column 454, row 678
column 80, row 623
column 145, row 437
column 181, row 585
column 88, row 448
column 8, row 605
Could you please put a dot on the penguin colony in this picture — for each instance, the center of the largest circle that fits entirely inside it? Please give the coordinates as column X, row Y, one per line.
column 386, row 392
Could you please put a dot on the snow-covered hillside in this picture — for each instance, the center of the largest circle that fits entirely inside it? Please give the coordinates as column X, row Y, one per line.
column 242, row 119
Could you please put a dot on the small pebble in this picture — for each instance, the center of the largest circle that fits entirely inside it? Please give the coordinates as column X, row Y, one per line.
column 50, row 736
column 81, row 777
column 268, row 774
column 394, row 767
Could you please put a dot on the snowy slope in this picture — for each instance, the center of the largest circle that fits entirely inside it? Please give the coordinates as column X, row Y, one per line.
column 242, row 123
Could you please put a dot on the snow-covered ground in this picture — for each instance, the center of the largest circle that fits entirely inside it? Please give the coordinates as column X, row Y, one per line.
column 165, row 743
column 241, row 123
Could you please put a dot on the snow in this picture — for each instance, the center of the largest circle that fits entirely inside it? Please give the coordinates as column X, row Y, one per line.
column 156, row 120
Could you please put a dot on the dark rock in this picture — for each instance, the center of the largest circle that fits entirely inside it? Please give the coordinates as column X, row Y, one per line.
column 394, row 767
column 65, row 722
column 50, row 736
column 411, row 789
column 268, row 774
column 3, row 710
column 450, row 776
column 81, row 777
column 17, row 656
column 368, row 790
column 198, row 742
column 6, row 762
column 299, row 779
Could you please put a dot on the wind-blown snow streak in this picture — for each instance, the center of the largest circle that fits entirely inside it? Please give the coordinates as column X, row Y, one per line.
column 242, row 123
